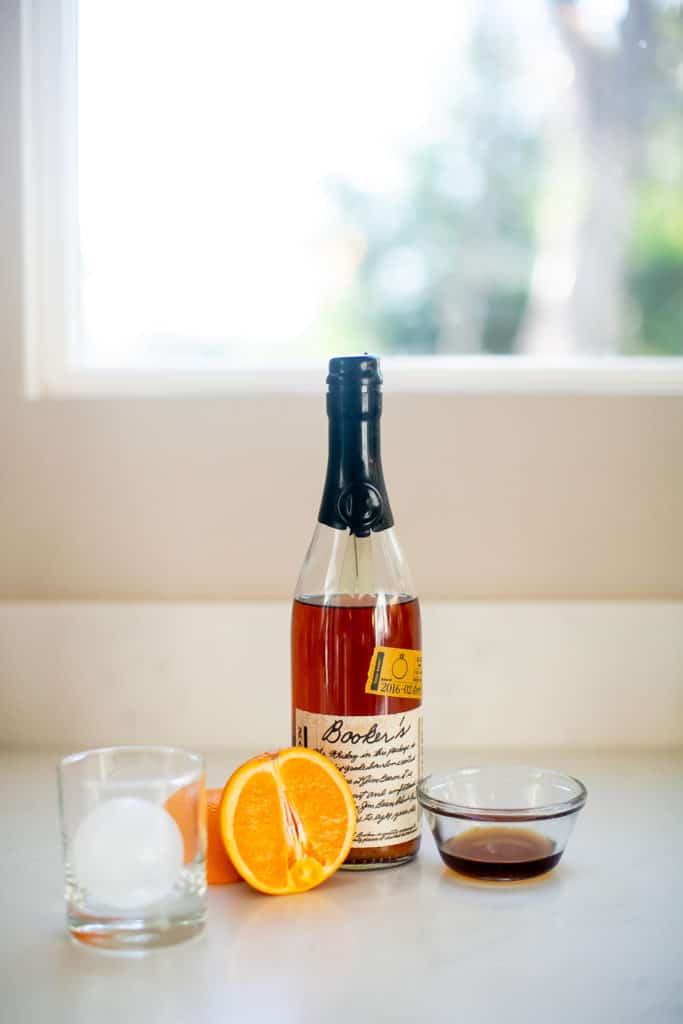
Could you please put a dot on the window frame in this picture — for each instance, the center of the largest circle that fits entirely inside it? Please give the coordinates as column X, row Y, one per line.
column 50, row 276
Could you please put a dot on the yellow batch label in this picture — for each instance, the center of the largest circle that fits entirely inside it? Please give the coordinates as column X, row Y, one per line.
column 395, row 672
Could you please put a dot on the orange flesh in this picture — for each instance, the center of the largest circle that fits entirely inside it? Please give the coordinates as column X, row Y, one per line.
column 259, row 829
column 287, row 820
column 309, row 789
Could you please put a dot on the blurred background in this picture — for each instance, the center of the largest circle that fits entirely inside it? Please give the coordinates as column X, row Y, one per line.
column 258, row 185
column 242, row 189
column 427, row 178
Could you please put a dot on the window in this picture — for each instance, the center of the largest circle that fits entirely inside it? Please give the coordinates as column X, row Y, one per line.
column 214, row 189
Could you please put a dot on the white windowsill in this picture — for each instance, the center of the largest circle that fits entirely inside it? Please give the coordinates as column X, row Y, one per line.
column 414, row 375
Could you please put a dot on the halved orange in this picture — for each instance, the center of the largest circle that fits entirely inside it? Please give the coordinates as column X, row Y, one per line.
column 287, row 820
column 189, row 817
column 187, row 806
column 219, row 868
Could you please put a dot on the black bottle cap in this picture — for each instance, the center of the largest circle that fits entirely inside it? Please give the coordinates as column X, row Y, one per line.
column 354, row 371
column 354, row 387
column 354, row 496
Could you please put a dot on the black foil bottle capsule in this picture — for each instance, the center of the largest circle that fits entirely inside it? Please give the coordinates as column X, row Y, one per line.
column 356, row 634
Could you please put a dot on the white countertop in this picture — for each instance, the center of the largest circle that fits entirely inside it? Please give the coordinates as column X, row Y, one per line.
column 598, row 940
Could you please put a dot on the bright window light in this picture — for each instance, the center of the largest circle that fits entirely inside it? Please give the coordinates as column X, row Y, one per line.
column 258, row 185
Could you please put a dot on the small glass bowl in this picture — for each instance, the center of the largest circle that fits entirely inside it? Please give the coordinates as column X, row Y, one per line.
column 502, row 822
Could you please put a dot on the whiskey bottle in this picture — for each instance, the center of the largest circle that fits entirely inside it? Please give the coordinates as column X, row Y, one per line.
column 356, row 635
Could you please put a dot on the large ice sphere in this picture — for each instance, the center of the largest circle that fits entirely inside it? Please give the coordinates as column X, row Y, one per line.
column 127, row 853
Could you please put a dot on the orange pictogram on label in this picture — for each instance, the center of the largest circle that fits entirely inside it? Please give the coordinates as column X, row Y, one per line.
column 395, row 672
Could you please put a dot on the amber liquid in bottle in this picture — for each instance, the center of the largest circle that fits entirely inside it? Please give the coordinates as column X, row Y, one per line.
column 356, row 639
column 332, row 645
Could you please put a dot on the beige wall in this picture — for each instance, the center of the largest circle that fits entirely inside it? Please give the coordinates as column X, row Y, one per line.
column 215, row 498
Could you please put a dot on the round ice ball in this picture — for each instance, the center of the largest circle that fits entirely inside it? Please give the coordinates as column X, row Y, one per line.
column 127, row 853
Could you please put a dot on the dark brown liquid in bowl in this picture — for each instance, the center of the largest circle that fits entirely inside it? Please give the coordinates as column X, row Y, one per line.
column 500, row 853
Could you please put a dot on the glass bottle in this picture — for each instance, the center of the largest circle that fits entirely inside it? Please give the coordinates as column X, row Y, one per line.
column 356, row 634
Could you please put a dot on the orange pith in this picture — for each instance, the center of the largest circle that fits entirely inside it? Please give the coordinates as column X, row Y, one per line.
column 287, row 820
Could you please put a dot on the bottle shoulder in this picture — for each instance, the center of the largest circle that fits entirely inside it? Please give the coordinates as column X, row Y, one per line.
column 340, row 565
column 351, row 601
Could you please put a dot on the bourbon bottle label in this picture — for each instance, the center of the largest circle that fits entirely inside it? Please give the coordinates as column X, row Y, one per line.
column 381, row 758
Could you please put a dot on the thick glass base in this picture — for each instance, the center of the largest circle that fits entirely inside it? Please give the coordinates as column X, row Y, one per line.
column 134, row 936
column 376, row 865
column 375, row 857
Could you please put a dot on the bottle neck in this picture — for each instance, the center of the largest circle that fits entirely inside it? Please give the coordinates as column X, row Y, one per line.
column 355, row 496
